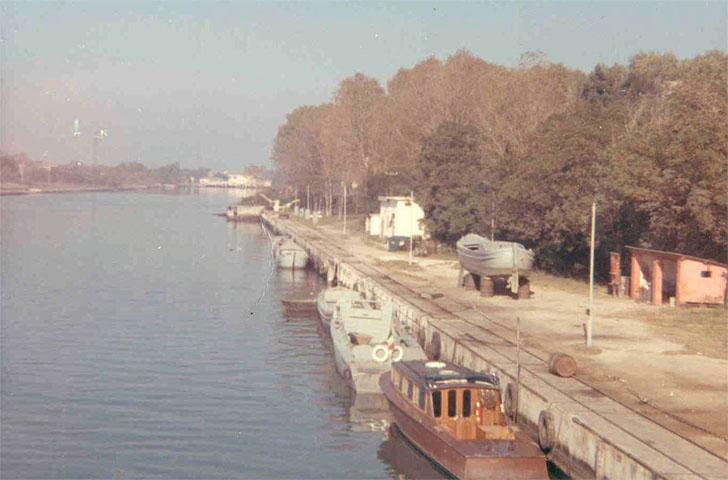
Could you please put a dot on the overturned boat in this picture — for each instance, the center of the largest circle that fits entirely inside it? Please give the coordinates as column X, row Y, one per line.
column 326, row 302
column 489, row 260
column 454, row 416
column 364, row 344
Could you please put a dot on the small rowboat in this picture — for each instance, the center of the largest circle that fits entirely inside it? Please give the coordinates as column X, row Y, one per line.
column 300, row 306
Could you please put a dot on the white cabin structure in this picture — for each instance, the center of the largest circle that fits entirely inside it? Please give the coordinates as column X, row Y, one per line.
column 399, row 216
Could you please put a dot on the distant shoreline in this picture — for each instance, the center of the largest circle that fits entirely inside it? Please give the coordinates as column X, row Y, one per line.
column 15, row 189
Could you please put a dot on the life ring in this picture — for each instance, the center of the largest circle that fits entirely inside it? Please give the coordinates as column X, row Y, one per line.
column 380, row 353
column 397, row 353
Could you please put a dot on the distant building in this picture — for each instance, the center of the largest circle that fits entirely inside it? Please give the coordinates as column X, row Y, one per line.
column 398, row 216
column 235, row 180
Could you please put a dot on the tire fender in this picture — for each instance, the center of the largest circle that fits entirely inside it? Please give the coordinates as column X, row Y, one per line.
column 546, row 431
column 510, row 400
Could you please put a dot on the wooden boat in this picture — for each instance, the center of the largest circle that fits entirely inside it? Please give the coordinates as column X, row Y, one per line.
column 244, row 213
column 364, row 344
column 300, row 306
column 326, row 302
column 454, row 416
column 288, row 254
column 486, row 258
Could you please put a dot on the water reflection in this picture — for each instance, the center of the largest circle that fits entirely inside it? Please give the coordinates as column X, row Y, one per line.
column 405, row 461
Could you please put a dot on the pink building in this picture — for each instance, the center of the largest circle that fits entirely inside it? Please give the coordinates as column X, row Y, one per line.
column 666, row 274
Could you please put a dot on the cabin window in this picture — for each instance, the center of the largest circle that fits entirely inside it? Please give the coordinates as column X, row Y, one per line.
column 410, row 390
column 466, row 403
column 399, row 382
column 452, row 403
column 421, row 400
column 437, row 403
column 705, row 274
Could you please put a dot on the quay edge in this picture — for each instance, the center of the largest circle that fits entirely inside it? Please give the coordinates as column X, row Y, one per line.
column 589, row 434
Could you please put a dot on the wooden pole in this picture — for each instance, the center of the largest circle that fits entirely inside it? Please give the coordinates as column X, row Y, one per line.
column 591, row 278
column 492, row 217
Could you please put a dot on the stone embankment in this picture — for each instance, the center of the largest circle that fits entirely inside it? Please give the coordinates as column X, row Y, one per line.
column 585, row 433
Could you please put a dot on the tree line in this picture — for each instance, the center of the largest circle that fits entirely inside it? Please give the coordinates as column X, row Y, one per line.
column 21, row 169
column 530, row 148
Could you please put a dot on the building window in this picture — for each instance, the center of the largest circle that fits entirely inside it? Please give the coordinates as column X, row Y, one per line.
column 706, row 274
column 410, row 387
column 421, row 400
column 466, row 403
column 452, row 403
column 399, row 384
column 437, row 404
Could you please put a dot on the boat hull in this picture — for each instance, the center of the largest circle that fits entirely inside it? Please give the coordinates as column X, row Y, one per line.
column 296, row 259
column 325, row 312
column 465, row 459
column 245, row 214
column 485, row 258
column 289, row 255
column 361, row 375
column 326, row 301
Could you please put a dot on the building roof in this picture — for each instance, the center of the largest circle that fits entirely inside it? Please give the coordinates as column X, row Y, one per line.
column 674, row 255
column 445, row 373
column 397, row 198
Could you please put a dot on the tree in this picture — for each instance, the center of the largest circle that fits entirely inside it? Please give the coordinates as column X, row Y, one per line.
column 454, row 174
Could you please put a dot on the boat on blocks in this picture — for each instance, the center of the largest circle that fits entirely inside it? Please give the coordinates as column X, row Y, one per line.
column 288, row 254
column 364, row 344
column 454, row 416
column 489, row 260
column 326, row 302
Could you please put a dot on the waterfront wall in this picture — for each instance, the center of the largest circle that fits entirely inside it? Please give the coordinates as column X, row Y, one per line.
column 586, row 434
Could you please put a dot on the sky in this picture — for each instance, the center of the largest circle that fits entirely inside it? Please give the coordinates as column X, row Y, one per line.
column 207, row 84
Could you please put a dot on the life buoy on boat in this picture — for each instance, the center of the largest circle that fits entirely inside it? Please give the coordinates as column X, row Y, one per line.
column 380, row 353
column 397, row 353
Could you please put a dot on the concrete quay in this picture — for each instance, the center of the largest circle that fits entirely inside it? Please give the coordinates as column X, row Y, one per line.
column 590, row 435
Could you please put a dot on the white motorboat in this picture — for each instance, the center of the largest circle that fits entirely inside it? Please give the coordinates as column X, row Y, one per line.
column 326, row 302
column 288, row 254
column 365, row 345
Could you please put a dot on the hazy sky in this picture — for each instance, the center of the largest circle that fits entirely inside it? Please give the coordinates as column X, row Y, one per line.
column 208, row 84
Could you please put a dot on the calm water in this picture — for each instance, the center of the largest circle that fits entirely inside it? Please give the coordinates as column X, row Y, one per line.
column 143, row 337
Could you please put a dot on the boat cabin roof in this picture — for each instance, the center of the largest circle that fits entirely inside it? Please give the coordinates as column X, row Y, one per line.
column 436, row 375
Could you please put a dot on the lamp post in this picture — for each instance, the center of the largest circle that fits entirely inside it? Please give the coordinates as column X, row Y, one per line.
column 103, row 133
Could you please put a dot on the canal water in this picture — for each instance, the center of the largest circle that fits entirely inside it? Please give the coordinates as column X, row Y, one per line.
column 143, row 337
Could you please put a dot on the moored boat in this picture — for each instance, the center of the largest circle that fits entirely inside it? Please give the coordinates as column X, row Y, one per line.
column 244, row 213
column 326, row 302
column 364, row 344
column 288, row 254
column 454, row 416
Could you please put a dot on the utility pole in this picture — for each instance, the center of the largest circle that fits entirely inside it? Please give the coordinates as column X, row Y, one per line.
column 590, row 326
column 492, row 216
column 344, row 207
column 4, row 40
column 412, row 228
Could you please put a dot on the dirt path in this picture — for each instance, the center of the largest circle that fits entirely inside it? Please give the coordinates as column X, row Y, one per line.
column 670, row 364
